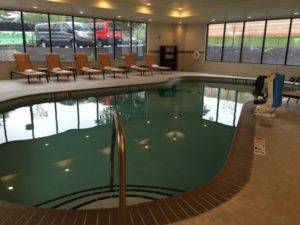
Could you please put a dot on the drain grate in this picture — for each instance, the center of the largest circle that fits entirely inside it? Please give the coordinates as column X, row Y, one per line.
column 260, row 146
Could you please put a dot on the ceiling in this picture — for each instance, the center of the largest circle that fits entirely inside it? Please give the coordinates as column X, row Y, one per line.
column 168, row 11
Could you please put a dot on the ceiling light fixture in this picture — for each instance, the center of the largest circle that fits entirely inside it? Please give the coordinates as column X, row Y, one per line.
column 249, row 17
column 35, row 7
column 67, row 170
column 10, row 188
column 119, row 17
column 296, row 13
column 148, row 4
column 213, row 20
column 179, row 9
column 81, row 12
column 180, row 22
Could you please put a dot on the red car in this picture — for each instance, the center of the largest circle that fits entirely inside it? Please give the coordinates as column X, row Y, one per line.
column 104, row 34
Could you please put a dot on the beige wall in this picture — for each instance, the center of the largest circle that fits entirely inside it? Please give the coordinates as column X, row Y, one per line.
column 195, row 39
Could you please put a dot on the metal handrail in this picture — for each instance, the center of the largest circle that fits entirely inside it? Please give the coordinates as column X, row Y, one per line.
column 119, row 137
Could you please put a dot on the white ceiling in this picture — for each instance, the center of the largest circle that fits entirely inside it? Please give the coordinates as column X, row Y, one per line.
column 192, row 11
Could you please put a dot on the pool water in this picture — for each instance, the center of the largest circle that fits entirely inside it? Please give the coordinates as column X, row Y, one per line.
column 175, row 138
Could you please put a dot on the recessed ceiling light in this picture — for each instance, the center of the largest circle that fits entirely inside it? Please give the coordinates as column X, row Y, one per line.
column 249, row 17
column 81, row 12
column 148, row 4
column 205, row 125
column 148, row 121
column 146, row 146
column 67, row 170
column 150, row 20
column 46, row 144
column 175, row 117
column 10, row 188
column 87, row 136
column 296, row 13
column 213, row 20
column 180, row 22
column 179, row 9
column 119, row 17
column 35, row 7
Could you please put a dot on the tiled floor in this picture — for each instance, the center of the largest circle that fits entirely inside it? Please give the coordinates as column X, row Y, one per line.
column 272, row 196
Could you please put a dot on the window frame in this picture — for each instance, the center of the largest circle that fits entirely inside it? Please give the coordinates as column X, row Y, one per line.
column 242, row 44
column 72, row 17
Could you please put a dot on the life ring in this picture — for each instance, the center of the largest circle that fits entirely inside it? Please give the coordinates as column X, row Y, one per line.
column 197, row 55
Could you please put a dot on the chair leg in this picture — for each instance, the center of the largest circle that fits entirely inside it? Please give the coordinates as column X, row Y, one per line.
column 28, row 79
column 114, row 74
column 103, row 74
column 74, row 75
column 288, row 101
column 47, row 78
column 57, row 77
column 90, row 76
column 126, row 73
column 11, row 74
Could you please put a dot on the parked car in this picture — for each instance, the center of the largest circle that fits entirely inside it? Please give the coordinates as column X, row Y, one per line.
column 105, row 34
column 62, row 35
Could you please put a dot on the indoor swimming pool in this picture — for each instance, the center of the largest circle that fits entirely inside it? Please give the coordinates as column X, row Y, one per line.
column 58, row 150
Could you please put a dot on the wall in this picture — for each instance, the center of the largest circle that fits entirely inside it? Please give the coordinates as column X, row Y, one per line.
column 158, row 34
column 195, row 39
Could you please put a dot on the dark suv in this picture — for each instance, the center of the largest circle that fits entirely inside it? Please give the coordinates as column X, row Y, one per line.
column 62, row 35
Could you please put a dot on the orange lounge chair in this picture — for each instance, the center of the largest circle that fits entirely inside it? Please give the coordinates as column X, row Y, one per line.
column 55, row 67
column 105, row 65
column 131, row 64
column 153, row 66
column 25, row 68
column 83, row 65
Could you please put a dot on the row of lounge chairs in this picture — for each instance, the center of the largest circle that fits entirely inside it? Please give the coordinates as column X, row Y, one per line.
column 54, row 66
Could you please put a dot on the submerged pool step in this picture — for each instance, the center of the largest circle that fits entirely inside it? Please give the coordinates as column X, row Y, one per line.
column 81, row 198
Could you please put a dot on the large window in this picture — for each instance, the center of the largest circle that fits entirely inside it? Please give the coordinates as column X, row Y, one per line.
column 36, row 35
column 139, row 34
column 122, row 39
column 11, row 38
column 276, row 41
column 68, row 34
column 62, row 37
column 84, row 36
column 253, row 41
column 294, row 45
column 266, row 41
column 232, row 43
column 214, row 42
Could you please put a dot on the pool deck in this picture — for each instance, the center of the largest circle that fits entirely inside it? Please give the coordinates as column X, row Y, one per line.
column 252, row 189
column 15, row 88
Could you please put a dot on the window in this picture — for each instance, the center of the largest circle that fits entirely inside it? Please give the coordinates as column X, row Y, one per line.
column 139, row 39
column 276, row 41
column 62, row 38
column 210, row 102
column 11, row 37
column 232, row 43
column 87, row 112
column 226, row 107
column 67, row 115
column 44, row 119
column 122, row 39
column 36, row 35
column 84, row 36
column 105, row 37
column 253, row 41
column 18, row 124
column 214, row 42
column 294, row 46
column 2, row 129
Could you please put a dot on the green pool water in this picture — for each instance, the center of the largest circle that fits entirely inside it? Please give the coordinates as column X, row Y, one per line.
column 175, row 138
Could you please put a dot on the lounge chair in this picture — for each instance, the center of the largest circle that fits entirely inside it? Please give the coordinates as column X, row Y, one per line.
column 83, row 65
column 151, row 64
column 131, row 64
column 55, row 67
column 25, row 68
column 105, row 65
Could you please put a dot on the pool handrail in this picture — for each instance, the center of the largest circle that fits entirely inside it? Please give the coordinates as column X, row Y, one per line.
column 119, row 137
